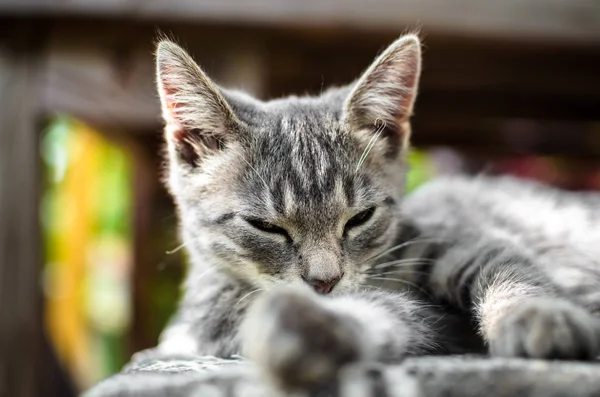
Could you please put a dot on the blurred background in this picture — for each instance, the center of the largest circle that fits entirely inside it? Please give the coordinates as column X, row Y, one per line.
column 90, row 262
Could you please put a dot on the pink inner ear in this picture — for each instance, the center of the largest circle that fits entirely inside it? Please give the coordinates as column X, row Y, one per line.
column 170, row 103
column 174, row 128
column 170, row 112
column 167, row 73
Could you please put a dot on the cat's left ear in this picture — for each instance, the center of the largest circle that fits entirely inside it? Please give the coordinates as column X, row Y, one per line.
column 199, row 121
column 382, row 100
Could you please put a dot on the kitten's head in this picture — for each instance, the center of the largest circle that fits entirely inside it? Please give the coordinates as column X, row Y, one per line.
column 295, row 190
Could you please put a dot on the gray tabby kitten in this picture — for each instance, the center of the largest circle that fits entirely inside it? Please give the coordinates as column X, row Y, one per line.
column 299, row 202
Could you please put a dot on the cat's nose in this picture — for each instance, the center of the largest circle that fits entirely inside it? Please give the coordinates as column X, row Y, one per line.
column 322, row 286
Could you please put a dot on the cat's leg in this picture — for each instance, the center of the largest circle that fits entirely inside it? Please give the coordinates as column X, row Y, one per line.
column 301, row 339
column 519, row 311
column 208, row 318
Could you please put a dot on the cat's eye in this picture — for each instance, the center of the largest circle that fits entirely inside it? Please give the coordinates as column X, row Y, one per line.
column 268, row 227
column 359, row 219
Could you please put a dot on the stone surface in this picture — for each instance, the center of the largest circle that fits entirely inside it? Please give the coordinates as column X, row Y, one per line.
column 417, row 377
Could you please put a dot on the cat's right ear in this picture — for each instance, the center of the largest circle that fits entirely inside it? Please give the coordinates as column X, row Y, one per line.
column 382, row 100
column 198, row 119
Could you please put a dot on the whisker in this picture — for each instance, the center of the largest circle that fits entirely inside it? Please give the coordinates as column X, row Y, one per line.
column 371, row 143
column 402, row 262
column 405, row 244
column 432, row 306
column 246, row 296
column 250, row 165
column 398, row 280
column 401, row 271
column 392, row 249
column 370, row 286
column 174, row 250
column 255, row 171
column 439, row 319
column 204, row 273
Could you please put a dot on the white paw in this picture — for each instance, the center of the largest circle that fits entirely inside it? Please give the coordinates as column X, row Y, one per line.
column 548, row 329
column 297, row 342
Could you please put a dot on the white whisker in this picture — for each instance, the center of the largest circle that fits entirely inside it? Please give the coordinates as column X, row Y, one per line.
column 174, row 250
column 398, row 280
column 402, row 262
column 400, row 246
column 371, row 143
column 251, row 167
column 246, row 296
column 400, row 272
column 204, row 273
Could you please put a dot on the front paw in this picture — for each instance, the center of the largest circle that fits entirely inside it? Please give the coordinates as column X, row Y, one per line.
column 297, row 342
column 547, row 329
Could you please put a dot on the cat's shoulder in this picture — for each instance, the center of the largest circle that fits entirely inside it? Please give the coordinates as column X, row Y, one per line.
column 457, row 194
column 483, row 186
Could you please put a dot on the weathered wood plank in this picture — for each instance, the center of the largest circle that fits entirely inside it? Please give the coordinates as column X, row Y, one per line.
column 111, row 82
column 510, row 137
column 569, row 20
column 20, row 248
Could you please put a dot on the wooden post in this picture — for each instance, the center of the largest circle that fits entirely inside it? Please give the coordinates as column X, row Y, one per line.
column 21, row 337
column 145, row 186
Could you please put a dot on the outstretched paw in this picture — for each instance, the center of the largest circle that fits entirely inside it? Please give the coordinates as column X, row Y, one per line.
column 547, row 329
column 297, row 342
